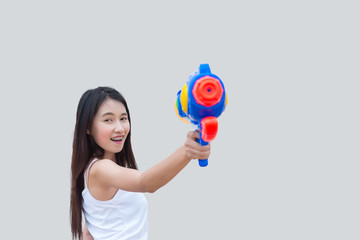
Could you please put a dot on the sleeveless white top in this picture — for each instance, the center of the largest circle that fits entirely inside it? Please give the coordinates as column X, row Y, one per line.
column 124, row 217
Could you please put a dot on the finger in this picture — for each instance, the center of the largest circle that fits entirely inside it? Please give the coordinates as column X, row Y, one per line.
column 192, row 140
column 202, row 154
column 195, row 154
column 193, row 135
column 196, row 151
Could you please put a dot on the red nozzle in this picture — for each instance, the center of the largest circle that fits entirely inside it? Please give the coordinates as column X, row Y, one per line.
column 207, row 91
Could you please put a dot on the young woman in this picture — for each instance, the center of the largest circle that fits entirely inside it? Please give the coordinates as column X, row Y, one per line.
column 106, row 186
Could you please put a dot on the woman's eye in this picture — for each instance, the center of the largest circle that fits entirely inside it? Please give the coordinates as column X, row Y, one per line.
column 124, row 119
column 107, row 120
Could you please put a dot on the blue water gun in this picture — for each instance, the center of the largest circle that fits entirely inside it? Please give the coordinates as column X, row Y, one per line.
column 201, row 101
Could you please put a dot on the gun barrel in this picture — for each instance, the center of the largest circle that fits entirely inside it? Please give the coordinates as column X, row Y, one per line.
column 207, row 91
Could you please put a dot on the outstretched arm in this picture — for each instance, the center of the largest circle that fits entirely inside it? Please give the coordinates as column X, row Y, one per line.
column 162, row 173
column 109, row 174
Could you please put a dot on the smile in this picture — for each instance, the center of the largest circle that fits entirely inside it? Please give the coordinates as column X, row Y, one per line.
column 117, row 139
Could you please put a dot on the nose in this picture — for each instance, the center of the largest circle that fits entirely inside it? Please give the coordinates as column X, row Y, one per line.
column 119, row 127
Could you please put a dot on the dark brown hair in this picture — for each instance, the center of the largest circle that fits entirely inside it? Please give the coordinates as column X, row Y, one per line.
column 85, row 148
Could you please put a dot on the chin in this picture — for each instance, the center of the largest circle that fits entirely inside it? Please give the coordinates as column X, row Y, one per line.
column 119, row 150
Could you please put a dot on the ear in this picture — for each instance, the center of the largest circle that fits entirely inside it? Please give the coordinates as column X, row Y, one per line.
column 87, row 131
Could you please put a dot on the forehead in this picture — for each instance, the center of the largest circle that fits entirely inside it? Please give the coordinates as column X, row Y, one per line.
column 111, row 106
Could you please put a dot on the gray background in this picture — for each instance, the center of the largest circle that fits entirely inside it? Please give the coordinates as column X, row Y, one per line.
column 285, row 164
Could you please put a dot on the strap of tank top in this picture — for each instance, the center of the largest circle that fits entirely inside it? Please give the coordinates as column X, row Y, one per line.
column 87, row 170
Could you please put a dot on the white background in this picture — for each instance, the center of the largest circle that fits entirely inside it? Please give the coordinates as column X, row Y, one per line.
column 285, row 163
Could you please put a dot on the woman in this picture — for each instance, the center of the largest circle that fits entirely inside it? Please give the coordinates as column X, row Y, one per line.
column 106, row 186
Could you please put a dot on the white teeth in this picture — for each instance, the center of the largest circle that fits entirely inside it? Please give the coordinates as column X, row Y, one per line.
column 117, row 139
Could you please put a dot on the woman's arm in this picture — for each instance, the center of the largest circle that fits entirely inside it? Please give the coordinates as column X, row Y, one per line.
column 86, row 235
column 162, row 173
column 109, row 174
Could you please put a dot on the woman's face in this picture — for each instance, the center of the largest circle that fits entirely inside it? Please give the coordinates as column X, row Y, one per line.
column 110, row 127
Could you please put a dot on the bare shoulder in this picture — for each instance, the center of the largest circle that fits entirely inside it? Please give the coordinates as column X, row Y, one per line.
column 104, row 162
column 102, row 171
column 108, row 168
column 103, row 166
column 107, row 173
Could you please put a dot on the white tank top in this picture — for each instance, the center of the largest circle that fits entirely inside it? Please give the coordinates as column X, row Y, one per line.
column 124, row 217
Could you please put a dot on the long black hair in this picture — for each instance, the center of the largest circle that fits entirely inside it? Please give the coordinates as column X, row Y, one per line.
column 85, row 148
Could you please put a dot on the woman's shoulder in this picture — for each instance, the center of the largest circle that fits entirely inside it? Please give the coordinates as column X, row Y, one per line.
column 100, row 166
column 102, row 161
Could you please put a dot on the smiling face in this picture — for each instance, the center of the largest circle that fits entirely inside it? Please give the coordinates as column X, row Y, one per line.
column 110, row 127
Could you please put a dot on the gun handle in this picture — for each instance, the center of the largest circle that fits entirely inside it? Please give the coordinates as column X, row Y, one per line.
column 202, row 162
column 208, row 127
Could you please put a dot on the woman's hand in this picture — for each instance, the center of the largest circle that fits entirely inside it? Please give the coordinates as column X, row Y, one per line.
column 193, row 149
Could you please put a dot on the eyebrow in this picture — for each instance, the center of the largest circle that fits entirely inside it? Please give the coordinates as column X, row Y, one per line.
column 112, row 114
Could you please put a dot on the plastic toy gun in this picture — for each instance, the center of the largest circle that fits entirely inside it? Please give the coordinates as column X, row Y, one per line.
column 201, row 101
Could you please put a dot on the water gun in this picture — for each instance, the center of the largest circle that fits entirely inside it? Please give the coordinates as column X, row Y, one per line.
column 200, row 102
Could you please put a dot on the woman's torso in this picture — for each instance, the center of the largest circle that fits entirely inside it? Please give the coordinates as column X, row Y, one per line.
column 124, row 216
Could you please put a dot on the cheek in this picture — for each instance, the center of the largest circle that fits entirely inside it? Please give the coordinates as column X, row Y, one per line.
column 102, row 134
column 127, row 127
